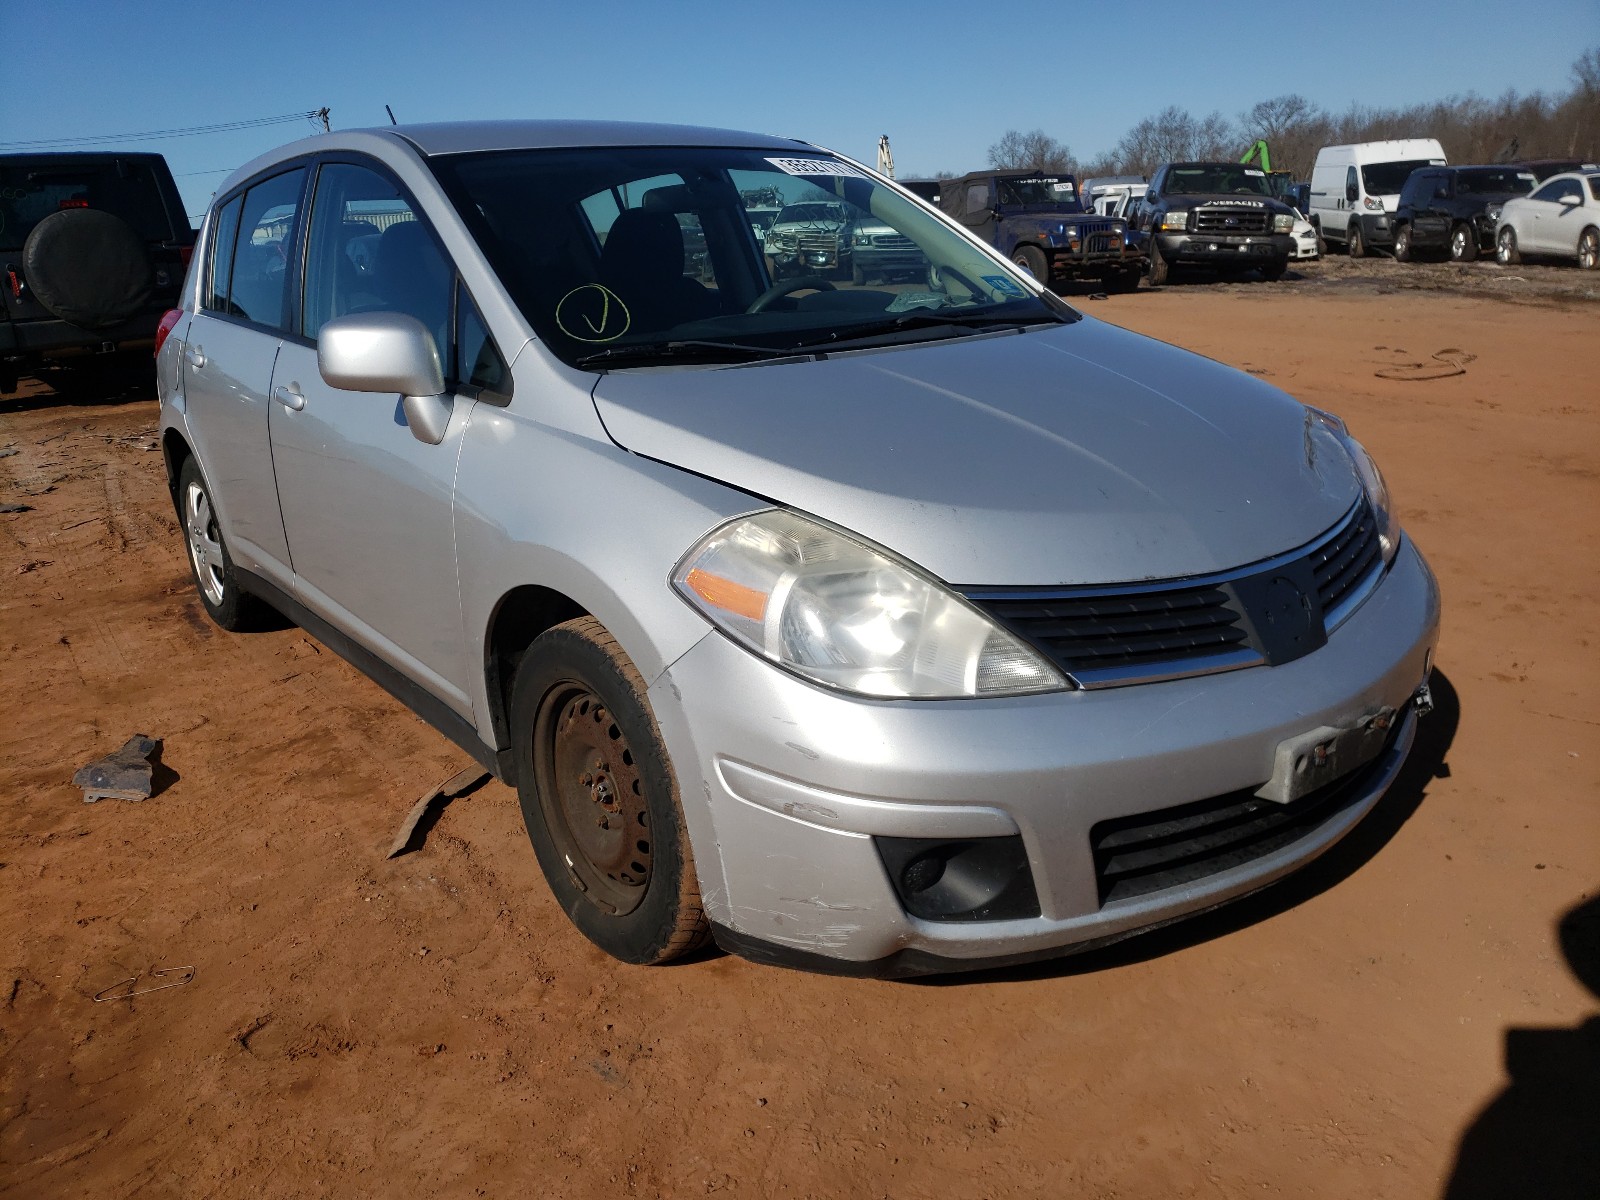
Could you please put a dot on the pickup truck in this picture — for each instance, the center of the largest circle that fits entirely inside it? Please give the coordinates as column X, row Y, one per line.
column 1037, row 221
column 1220, row 215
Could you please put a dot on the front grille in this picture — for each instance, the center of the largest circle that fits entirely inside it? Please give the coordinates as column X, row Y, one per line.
column 1229, row 221
column 893, row 241
column 1342, row 564
column 1097, row 632
column 1136, row 633
column 819, row 242
column 1146, row 852
column 1102, row 243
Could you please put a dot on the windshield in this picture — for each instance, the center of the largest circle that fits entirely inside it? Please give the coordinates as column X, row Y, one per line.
column 614, row 254
column 1040, row 189
column 1217, row 179
column 1386, row 179
column 1494, row 183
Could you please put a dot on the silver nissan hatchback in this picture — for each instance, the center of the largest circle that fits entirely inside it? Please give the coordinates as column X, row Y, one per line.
column 875, row 629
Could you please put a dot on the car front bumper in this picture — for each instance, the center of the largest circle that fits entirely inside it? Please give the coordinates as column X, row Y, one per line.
column 1226, row 249
column 785, row 786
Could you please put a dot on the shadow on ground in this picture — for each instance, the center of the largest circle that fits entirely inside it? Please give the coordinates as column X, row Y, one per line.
column 1540, row 1137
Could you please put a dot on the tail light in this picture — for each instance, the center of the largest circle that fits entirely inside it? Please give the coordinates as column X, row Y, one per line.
column 169, row 322
column 186, row 253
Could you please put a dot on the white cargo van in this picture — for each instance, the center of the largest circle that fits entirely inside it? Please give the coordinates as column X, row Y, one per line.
column 1354, row 189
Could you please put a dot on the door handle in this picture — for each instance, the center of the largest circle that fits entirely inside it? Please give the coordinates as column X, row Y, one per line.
column 290, row 397
column 194, row 356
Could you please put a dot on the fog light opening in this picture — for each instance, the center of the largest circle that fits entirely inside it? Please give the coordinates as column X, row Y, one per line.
column 975, row 879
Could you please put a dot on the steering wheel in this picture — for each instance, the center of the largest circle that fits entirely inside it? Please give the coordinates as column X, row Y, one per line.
column 783, row 287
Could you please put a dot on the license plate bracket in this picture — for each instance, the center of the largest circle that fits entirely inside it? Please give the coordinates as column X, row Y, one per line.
column 1313, row 759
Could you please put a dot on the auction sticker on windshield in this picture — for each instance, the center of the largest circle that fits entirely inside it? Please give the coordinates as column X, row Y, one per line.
column 815, row 166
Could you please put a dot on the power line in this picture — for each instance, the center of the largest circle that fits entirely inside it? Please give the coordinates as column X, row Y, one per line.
column 156, row 134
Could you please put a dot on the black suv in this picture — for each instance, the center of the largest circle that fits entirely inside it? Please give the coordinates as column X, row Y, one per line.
column 1452, row 210
column 93, row 249
column 1219, row 215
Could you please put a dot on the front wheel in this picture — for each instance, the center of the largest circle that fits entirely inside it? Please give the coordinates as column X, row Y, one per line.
column 1160, row 269
column 1402, row 244
column 1589, row 250
column 1275, row 271
column 1505, row 247
column 1356, row 243
column 1463, row 244
column 1032, row 260
column 599, row 797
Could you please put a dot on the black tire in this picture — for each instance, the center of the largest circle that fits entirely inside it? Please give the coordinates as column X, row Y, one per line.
column 590, row 758
column 857, row 275
column 1355, row 243
column 1589, row 250
column 1505, row 247
column 1463, row 243
column 1402, row 243
column 88, row 267
column 1160, row 269
column 225, row 602
column 1032, row 260
column 1275, row 271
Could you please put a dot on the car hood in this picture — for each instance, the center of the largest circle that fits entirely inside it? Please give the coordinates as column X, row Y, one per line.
column 1075, row 454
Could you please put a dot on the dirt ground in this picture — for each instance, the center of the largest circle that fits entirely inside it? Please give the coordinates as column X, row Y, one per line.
column 432, row 1025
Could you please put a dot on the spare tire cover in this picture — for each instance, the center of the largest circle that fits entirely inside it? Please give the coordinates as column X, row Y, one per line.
column 88, row 267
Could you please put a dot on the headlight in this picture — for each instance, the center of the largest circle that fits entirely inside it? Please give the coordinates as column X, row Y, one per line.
column 841, row 613
column 862, row 239
column 1175, row 220
column 1282, row 223
column 1373, row 203
column 1493, row 212
column 1372, row 482
column 1071, row 232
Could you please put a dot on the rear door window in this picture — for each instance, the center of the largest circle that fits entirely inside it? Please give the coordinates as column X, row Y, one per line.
column 258, row 289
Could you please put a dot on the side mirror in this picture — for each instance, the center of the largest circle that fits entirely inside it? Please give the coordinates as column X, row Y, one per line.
column 1350, row 193
column 1150, row 197
column 389, row 352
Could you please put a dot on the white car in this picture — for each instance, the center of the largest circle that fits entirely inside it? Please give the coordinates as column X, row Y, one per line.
column 1562, row 218
column 1305, row 239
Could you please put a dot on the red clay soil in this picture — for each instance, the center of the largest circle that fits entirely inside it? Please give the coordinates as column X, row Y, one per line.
column 432, row 1025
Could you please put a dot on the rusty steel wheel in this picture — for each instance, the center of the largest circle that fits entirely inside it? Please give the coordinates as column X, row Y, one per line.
column 593, row 798
column 600, row 799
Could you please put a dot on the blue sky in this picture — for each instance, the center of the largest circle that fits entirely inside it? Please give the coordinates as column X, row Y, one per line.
column 943, row 79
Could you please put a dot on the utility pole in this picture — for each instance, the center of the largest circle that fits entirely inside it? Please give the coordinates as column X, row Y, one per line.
column 322, row 115
column 885, row 156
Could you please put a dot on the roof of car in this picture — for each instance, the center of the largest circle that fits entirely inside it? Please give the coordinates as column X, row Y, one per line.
column 465, row 137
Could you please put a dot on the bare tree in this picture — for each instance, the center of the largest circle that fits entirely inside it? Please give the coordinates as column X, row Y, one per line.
column 1035, row 151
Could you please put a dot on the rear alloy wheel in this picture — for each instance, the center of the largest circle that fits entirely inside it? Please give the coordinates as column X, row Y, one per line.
column 1589, row 250
column 1402, row 243
column 599, row 797
column 1032, row 260
column 1463, row 244
column 225, row 602
column 1505, row 247
column 1355, row 243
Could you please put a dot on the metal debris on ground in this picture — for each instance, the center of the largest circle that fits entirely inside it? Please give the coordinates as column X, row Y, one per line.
column 456, row 785
column 129, row 774
column 8, row 452
column 15, row 508
column 126, row 989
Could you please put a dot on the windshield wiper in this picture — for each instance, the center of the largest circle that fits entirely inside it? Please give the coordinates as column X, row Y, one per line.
column 928, row 319
column 677, row 351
